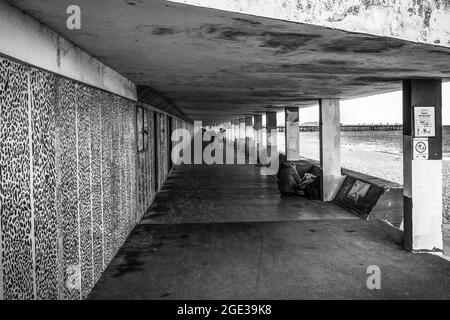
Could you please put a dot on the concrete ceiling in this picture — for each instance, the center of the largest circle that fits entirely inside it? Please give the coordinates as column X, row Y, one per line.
column 216, row 65
column 413, row 20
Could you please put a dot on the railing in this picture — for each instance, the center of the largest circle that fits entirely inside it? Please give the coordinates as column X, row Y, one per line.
column 344, row 128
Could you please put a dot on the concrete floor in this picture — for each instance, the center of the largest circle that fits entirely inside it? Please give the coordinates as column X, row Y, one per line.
column 222, row 232
column 231, row 193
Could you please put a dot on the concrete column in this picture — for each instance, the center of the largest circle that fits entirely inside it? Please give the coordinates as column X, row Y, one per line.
column 236, row 131
column 229, row 146
column 422, row 165
column 292, row 134
column 271, row 124
column 258, row 133
column 241, row 142
column 242, row 128
column 330, row 148
column 250, row 140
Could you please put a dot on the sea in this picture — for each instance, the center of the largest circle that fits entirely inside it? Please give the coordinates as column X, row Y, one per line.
column 375, row 141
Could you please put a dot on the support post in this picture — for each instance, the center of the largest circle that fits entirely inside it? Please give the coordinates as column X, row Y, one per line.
column 241, row 142
column 330, row 148
column 258, row 134
column 250, row 140
column 271, row 124
column 292, row 134
column 236, row 131
column 422, row 165
column 229, row 145
column 229, row 132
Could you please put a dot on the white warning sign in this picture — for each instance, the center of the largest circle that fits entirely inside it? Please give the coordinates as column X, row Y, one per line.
column 424, row 122
column 420, row 148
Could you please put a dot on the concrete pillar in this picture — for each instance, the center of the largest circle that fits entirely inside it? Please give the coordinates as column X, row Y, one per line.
column 228, row 132
column 242, row 128
column 250, row 140
column 241, row 142
column 292, row 134
column 236, row 131
column 422, row 165
column 271, row 124
column 229, row 149
column 330, row 148
column 258, row 133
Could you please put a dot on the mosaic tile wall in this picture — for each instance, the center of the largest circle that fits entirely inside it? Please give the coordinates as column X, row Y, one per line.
column 146, row 162
column 72, row 184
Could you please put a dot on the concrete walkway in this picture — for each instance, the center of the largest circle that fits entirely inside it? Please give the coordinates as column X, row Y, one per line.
column 222, row 232
column 231, row 193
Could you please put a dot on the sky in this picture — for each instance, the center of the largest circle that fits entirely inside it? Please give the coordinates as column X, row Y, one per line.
column 383, row 108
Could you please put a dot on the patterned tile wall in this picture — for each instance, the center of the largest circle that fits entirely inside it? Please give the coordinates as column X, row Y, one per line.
column 68, row 190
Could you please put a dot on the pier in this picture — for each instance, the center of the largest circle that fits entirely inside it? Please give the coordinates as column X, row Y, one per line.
column 358, row 127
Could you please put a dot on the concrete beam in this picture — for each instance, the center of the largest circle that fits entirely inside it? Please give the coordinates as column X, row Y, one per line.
column 418, row 21
column 422, row 165
column 27, row 40
column 330, row 148
column 234, row 78
column 292, row 134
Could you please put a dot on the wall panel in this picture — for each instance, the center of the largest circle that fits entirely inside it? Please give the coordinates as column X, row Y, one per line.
column 140, row 161
column 107, row 172
column 123, row 206
column 162, row 148
column 67, row 190
column 151, row 162
column 15, row 186
column 43, row 100
column 85, row 97
column 96, row 182
column 146, row 164
column 132, row 166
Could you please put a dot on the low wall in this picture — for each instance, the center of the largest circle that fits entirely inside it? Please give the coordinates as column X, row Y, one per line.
column 389, row 206
column 380, row 199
